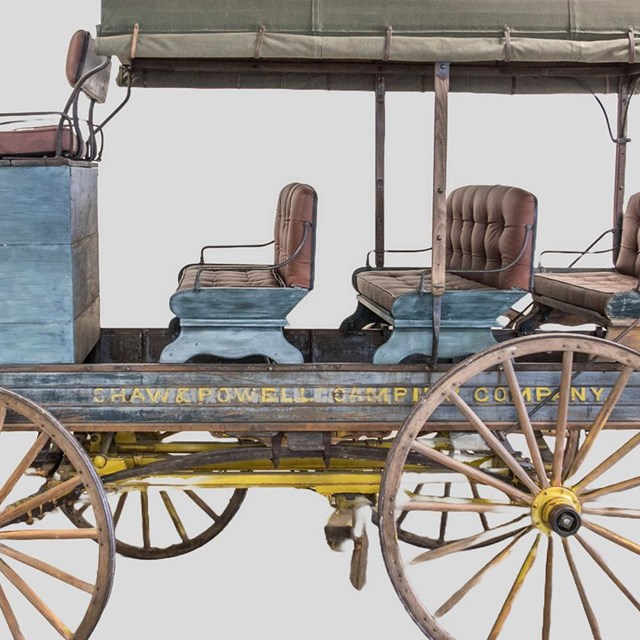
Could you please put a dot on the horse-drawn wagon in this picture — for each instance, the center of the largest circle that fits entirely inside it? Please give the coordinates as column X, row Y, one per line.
column 498, row 460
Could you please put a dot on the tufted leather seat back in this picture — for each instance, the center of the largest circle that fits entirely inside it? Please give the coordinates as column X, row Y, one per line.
column 628, row 262
column 487, row 229
column 297, row 205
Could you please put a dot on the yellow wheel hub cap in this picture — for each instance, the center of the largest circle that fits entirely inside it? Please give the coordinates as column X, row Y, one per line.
column 556, row 509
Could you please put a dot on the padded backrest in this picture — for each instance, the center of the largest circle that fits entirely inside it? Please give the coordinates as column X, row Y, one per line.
column 81, row 59
column 297, row 205
column 628, row 261
column 487, row 229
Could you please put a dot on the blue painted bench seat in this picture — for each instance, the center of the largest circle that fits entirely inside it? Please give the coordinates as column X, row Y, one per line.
column 233, row 310
column 490, row 244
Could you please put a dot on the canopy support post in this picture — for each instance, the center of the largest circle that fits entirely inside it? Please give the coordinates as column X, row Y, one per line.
column 624, row 96
column 380, row 153
column 439, row 220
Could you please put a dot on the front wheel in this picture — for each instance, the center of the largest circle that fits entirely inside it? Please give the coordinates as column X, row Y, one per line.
column 54, row 580
column 558, row 554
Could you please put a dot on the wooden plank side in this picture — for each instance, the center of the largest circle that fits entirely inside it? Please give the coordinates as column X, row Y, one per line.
column 294, row 398
column 86, row 330
column 35, row 283
column 85, row 274
column 34, row 343
column 84, row 201
column 34, row 204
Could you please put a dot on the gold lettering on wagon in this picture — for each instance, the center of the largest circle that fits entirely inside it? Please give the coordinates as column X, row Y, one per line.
column 291, row 395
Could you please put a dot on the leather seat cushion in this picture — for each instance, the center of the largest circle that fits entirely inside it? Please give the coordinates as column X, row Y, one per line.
column 385, row 287
column 588, row 290
column 231, row 278
column 296, row 206
column 628, row 261
column 487, row 229
column 35, row 141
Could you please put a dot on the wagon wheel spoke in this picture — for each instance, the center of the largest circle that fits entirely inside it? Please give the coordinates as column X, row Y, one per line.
column 478, row 575
column 515, row 589
column 405, row 512
column 601, row 419
column 117, row 512
column 10, row 617
column 3, row 417
column 613, row 537
column 140, row 521
column 59, row 579
column 49, row 534
column 418, row 502
column 612, row 512
column 561, row 418
column 548, row 591
column 447, row 504
column 476, row 494
column 49, row 496
column 525, row 423
column 476, row 475
column 444, row 517
column 607, row 464
column 47, row 568
column 492, row 440
column 597, row 558
column 586, row 605
column 616, row 487
column 144, row 514
column 570, row 452
column 202, row 504
column 38, row 603
column 175, row 518
column 483, row 538
column 23, row 465
column 519, row 476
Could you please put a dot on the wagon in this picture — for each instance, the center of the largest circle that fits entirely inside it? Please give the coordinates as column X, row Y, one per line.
column 497, row 459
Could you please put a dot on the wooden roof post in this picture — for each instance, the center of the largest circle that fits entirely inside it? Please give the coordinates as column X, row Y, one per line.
column 439, row 222
column 380, row 148
column 624, row 95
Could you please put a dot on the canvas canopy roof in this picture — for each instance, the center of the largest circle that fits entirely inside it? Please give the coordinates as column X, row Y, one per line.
column 197, row 42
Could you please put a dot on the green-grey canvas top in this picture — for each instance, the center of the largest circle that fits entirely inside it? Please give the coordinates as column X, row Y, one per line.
column 589, row 32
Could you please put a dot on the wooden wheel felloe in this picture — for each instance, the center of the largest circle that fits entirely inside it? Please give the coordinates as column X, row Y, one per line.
column 152, row 522
column 54, row 580
column 558, row 553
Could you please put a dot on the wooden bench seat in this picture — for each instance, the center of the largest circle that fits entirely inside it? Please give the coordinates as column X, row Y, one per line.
column 233, row 311
column 490, row 240
column 609, row 298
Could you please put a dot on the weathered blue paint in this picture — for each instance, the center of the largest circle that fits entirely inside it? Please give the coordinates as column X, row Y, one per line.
column 49, row 287
column 466, row 321
column 233, row 323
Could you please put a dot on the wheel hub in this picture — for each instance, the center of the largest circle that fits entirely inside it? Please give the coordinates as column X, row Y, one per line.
column 557, row 509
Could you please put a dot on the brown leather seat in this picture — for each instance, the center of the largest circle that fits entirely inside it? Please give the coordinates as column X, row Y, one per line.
column 385, row 287
column 490, row 247
column 235, row 310
column 86, row 73
column 293, row 257
column 613, row 294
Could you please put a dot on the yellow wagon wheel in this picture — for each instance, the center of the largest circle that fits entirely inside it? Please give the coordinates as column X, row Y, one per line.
column 556, row 481
column 54, row 580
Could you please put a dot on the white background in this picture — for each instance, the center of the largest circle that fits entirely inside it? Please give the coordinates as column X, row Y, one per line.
column 184, row 168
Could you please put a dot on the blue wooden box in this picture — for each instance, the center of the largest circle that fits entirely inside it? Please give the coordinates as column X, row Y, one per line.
column 49, row 286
